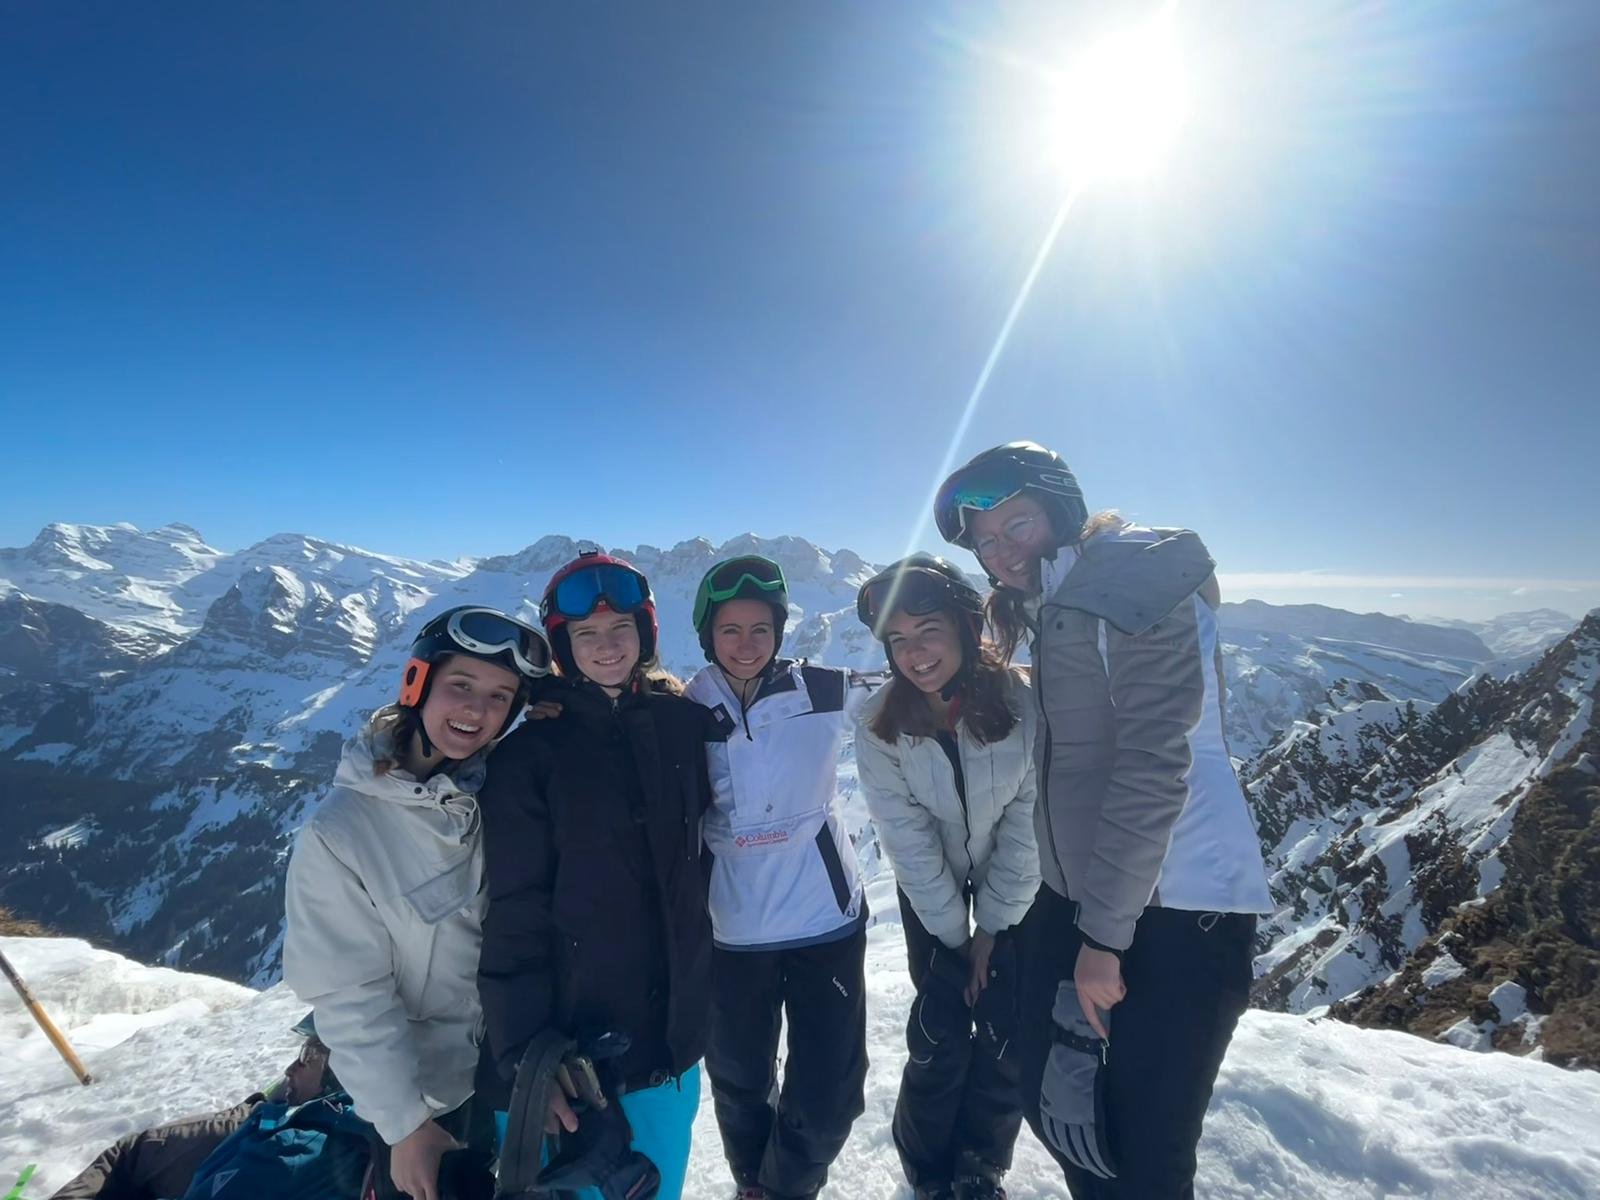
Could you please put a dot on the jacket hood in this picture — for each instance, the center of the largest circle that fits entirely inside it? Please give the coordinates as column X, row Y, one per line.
column 1134, row 577
column 356, row 772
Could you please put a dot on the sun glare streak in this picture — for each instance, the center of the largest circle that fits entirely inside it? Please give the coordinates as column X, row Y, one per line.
column 988, row 369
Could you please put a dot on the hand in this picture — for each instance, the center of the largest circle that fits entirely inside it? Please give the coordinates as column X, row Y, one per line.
column 543, row 710
column 1099, row 979
column 979, row 950
column 559, row 1115
column 414, row 1160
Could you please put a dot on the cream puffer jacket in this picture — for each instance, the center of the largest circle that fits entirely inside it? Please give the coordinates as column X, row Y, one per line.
column 385, row 918
column 936, row 841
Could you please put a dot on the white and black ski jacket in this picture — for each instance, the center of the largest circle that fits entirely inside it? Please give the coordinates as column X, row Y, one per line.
column 948, row 838
column 1138, row 801
column 783, row 871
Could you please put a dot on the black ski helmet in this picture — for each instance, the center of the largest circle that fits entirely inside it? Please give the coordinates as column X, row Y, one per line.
column 481, row 633
column 746, row 577
column 923, row 583
column 1001, row 472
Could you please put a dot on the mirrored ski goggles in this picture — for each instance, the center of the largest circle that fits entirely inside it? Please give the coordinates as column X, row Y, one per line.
column 486, row 631
column 978, row 489
column 580, row 593
column 915, row 590
column 730, row 578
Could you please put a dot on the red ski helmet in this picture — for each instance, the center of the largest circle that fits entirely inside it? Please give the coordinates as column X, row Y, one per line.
column 589, row 583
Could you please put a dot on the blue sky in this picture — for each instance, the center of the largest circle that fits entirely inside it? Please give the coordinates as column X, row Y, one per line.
column 437, row 280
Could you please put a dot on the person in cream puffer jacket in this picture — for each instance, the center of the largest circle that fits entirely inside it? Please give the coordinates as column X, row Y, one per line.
column 946, row 758
column 386, row 899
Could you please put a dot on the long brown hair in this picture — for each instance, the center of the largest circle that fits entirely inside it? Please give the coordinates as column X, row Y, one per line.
column 1004, row 607
column 983, row 701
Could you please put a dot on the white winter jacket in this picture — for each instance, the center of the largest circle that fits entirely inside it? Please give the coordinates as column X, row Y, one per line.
column 385, row 915
column 937, row 843
column 783, row 870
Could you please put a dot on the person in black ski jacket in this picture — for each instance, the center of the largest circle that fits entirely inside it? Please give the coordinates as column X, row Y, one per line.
column 597, row 890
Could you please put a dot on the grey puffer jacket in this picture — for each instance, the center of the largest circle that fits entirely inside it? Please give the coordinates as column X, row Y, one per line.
column 384, row 923
column 1138, row 801
column 940, row 837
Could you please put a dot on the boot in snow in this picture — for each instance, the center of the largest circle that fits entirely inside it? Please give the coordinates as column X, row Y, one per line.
column 979, row 1180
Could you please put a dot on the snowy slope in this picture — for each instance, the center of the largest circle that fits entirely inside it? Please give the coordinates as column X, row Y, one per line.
column 1303, row 1110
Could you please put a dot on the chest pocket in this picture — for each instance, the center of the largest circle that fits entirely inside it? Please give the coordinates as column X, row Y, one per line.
column 1074, row 690
column 787, row 772
column 448, row 892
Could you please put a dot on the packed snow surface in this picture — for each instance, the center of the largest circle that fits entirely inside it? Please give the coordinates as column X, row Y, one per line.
column 1302, row 1110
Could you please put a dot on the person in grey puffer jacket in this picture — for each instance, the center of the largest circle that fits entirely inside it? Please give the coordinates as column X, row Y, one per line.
column 385, row 897
column 945, row 753
column 1141, row 940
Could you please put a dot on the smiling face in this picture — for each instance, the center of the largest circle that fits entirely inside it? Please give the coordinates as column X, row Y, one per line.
column 468, row 701
column 1010, row 539
column 743, row 637
column 605, row 647
column 926, row 648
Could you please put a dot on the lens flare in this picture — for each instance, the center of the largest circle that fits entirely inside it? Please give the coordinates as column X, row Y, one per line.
column 1120, row 104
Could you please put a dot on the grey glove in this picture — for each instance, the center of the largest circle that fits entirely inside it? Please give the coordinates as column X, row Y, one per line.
column 1072, row 1097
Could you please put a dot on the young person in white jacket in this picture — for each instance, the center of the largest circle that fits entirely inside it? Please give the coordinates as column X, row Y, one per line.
column 945, row 753
column 787, row 911
column 385, row 892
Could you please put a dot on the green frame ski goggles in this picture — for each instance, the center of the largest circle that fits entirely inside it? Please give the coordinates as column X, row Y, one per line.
column 732, row 577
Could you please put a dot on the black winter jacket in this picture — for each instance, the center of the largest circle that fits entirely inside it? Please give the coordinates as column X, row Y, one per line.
column 597, row 888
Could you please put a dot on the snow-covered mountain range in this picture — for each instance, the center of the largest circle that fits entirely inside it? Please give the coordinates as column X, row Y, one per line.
column 170, row 710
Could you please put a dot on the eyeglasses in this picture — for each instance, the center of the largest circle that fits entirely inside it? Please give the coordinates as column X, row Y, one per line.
column 621, row 588
column 728, row 579
column 486, row 631
column 1014, row 531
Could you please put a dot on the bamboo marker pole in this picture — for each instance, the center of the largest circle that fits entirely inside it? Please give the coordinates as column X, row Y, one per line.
column 45, row 1023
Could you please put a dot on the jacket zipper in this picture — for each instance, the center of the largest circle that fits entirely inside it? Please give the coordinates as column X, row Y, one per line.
column 1044, row 775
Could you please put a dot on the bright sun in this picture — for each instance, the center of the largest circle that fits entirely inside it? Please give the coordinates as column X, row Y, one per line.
column 1120, row 104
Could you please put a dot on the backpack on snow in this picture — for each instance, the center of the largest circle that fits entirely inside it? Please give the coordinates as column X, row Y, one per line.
column 313, row 1151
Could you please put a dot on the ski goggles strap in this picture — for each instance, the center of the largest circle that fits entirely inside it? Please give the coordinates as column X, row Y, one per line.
column 487, row 631
column 621, row 588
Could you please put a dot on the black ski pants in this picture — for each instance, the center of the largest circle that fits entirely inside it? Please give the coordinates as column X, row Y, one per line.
column 788, row 1147
column 956, row 1096
column 1188, row 980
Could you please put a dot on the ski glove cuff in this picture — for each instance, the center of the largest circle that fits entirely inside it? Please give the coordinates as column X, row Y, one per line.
column 1072, row 1096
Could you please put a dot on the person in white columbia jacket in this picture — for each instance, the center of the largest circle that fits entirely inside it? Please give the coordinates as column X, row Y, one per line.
column 385, row 892
column 787, row 911
column 945, row 753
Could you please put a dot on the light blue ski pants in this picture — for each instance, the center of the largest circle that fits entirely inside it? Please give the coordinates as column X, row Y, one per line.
column 663, row 1125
